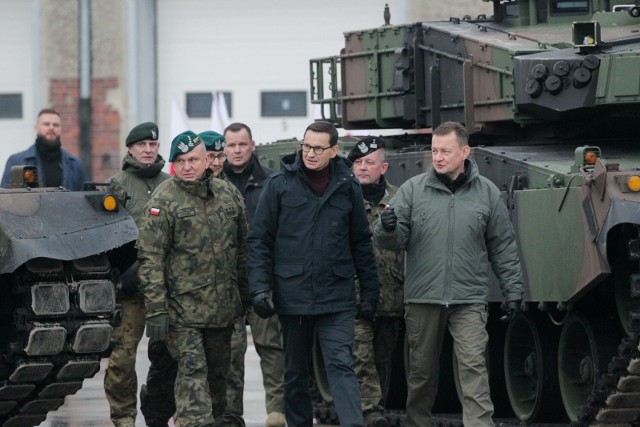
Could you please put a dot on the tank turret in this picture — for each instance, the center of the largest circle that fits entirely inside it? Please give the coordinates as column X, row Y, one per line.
column 550, row 93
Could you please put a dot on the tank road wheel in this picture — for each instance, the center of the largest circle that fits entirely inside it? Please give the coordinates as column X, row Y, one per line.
column 530, row 367
column 583, row 353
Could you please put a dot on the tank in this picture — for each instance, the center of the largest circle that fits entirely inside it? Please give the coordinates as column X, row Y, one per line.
column 550, row 93
column 60, row 257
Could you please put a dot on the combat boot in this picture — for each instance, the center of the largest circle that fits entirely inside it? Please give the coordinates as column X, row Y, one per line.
column 275, row 419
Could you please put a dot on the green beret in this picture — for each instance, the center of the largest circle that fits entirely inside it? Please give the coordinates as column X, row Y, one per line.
column 183, row 143
column 365, row 147
column 212, row 140
column 141, row 132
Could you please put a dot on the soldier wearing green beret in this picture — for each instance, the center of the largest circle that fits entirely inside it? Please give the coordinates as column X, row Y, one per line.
column 376, row 338
column 192, row 252
column 141, row 173
column 215, row 143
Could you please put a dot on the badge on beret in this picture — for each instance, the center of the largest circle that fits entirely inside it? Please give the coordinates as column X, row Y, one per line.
column 183, row 143
column 365, row 147
column 217, row 145
column 154, row 134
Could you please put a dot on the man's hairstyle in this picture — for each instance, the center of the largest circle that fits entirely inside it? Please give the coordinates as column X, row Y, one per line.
column 325, row 127
column 237, row 127
column 48, row 111
column 461, row 132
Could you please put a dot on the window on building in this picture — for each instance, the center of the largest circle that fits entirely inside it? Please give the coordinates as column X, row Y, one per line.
column 284, row 104
column 10, row 105
column 199, row 104
column 563, row 6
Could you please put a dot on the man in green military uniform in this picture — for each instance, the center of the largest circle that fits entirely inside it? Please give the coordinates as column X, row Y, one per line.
column 376, row 338
column 192, row 252
column 141, row 174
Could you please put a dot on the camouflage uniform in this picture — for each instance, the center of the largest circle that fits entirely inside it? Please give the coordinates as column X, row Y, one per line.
column 375, row 341
column 133, row 185
column 192, row 252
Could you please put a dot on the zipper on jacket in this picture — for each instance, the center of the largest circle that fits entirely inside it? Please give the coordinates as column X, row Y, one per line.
column 450, row 254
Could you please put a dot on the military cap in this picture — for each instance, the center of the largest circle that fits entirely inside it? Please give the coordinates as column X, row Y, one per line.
column 213, row 141
column 148, row 130
column 183, row 143
column 365, row 147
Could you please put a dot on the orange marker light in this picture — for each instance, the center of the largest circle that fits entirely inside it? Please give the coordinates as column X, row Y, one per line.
column 109, row 203
column 633, row 182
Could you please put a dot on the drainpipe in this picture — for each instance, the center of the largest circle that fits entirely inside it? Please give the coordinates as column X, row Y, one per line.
column 84, row 112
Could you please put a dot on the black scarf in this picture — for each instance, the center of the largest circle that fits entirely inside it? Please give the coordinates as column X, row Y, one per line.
column 50, row 162
column 454, row 184
column 373, row 193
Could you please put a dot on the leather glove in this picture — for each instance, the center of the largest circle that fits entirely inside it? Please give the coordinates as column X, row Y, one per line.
column 511, row 309
column 130, row 282
column 263, row 304
column 388, row 218
column 366, row 310
column 157, row 325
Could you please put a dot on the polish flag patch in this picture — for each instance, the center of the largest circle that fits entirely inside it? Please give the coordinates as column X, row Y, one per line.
column 154, row 211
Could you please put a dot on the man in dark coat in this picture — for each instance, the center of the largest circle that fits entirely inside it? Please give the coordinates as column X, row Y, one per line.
column 308, row 239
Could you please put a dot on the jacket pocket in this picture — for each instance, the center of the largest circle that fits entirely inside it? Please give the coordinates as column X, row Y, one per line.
column 288, row 270
column 345, row 270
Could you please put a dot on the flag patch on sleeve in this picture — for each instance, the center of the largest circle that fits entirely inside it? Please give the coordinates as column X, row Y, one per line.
column 154, row 211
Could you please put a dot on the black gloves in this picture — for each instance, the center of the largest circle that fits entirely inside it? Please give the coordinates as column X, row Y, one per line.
column 388, row 218
column 263, row 304
column 511, row 310
column 366, row 310
column 130, row 281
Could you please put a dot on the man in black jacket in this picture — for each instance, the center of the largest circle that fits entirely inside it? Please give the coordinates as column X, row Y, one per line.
column 243, row 170
column 309, row 237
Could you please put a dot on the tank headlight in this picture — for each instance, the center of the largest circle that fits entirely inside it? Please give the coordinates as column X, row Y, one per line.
column 109, row 203
column 633, row 182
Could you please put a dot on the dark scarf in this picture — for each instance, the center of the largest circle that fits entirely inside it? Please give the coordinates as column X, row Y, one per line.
column 240, row 179
column 142, row 170
column 373, row 193
column 454, row 184
column 50, row 162
column 318, row 180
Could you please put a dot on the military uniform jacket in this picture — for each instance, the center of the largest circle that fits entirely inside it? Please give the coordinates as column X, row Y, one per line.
column 390, row 264
column 450, row 238
column 308, row 248
column 135, row 182
column 192, row 252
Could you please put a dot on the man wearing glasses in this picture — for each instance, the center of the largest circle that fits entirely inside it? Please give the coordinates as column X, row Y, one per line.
column 214, row 143
column 192, row 252
column 243, row 169
column 309, row 237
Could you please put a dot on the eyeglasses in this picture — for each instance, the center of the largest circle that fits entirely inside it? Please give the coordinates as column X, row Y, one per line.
column 220, row 157
column 317, row 150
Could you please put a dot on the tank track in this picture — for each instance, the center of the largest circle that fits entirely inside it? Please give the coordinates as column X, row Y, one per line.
column 616, row 399
column 615, row 402
column 61, row 316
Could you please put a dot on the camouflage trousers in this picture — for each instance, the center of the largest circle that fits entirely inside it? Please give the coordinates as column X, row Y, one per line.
column 120, row 382
column 203, row 356
column 372, row 350
column 157, row 402
column 267, row 339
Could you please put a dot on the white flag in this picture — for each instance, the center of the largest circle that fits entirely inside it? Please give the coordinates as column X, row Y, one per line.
column 179, row 120
column 219, row 113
